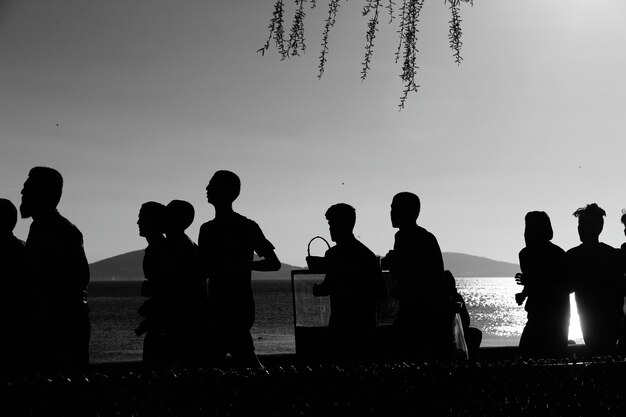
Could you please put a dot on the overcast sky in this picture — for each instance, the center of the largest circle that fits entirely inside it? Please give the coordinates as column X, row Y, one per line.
column 152, row 96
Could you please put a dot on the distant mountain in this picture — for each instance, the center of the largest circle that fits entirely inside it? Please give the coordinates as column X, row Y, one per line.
column 128, row 266
column 463, row 265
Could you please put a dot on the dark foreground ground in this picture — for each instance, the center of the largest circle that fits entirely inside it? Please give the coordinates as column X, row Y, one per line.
column 500, row 386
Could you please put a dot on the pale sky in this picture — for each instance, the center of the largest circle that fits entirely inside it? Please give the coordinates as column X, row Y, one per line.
column 152, row 96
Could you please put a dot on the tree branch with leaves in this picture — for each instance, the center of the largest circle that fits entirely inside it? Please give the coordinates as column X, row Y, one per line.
column 408, row 15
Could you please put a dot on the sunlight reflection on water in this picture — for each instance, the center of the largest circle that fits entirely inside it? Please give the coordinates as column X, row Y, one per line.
column 492, row 307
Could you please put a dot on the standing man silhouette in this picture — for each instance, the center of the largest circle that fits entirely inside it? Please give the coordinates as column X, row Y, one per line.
column 424, row 323
column 355, row 283
column 60, row 273
column 186, row 289
column 227, row 245
column 157, row 343
column 596, row 278
column 15, row 319
column 622, row 338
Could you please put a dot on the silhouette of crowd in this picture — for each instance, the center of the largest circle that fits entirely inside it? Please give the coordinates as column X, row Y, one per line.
column 199, row 305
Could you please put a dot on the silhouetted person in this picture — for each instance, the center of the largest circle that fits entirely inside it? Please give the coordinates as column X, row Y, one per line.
column 157, row 346
column 15, row 315
column 227, row 245
column 425, row 316
column 473, row 336
column 622, row 338
column 545, row 288
column 60, row 274
column 355, row 283
column 186, row 289
column 596, row 277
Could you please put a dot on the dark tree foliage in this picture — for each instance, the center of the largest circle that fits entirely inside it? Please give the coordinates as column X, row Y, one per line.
column 407, row 13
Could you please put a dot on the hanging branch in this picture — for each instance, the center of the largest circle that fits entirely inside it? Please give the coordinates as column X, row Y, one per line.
column 408, row 13
column 277, row 31
column 296, row 37
column 333, row 8
column 402, row 29
column 372, row 28
column 454, row 34
column 390, row 7
column 409, row 65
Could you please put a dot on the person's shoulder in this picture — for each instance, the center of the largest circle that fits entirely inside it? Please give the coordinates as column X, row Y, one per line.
column 189, row 241
column 241, row 219
column 556, row 248
column 207, row 225
column 333, row 251
column 15, row 241
column 574, row 251
column 14, row 244
column 67, row 228
column 363, row 248
column 425, row 233
column 245, row 223
column 610, row 250
column 607, row 247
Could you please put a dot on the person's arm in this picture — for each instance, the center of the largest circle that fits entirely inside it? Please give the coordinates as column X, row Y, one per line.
column 269, row 262
column 264, row 248
column 320, row 289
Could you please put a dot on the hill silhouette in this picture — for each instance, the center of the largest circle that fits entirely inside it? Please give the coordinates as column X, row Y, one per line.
column 128, row 266
column 463, row 265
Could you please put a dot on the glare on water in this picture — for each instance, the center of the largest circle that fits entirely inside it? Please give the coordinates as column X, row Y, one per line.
column 575, row 333
column 492, row 307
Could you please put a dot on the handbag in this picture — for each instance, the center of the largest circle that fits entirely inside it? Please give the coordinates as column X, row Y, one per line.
column 316, row 263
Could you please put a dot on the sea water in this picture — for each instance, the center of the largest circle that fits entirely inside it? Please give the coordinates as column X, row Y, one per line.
column 490, row 302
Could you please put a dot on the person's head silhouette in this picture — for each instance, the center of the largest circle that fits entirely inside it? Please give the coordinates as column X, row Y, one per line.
column 151, row 221
column 341, row 220
column 405, row 209
column 590, row 222
column 180, row 215
column 223, row 188
column 538, row 228
column 8, row 217
column 41, row 192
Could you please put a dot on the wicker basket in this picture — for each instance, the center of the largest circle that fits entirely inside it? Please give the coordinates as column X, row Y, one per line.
column 315, row 263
